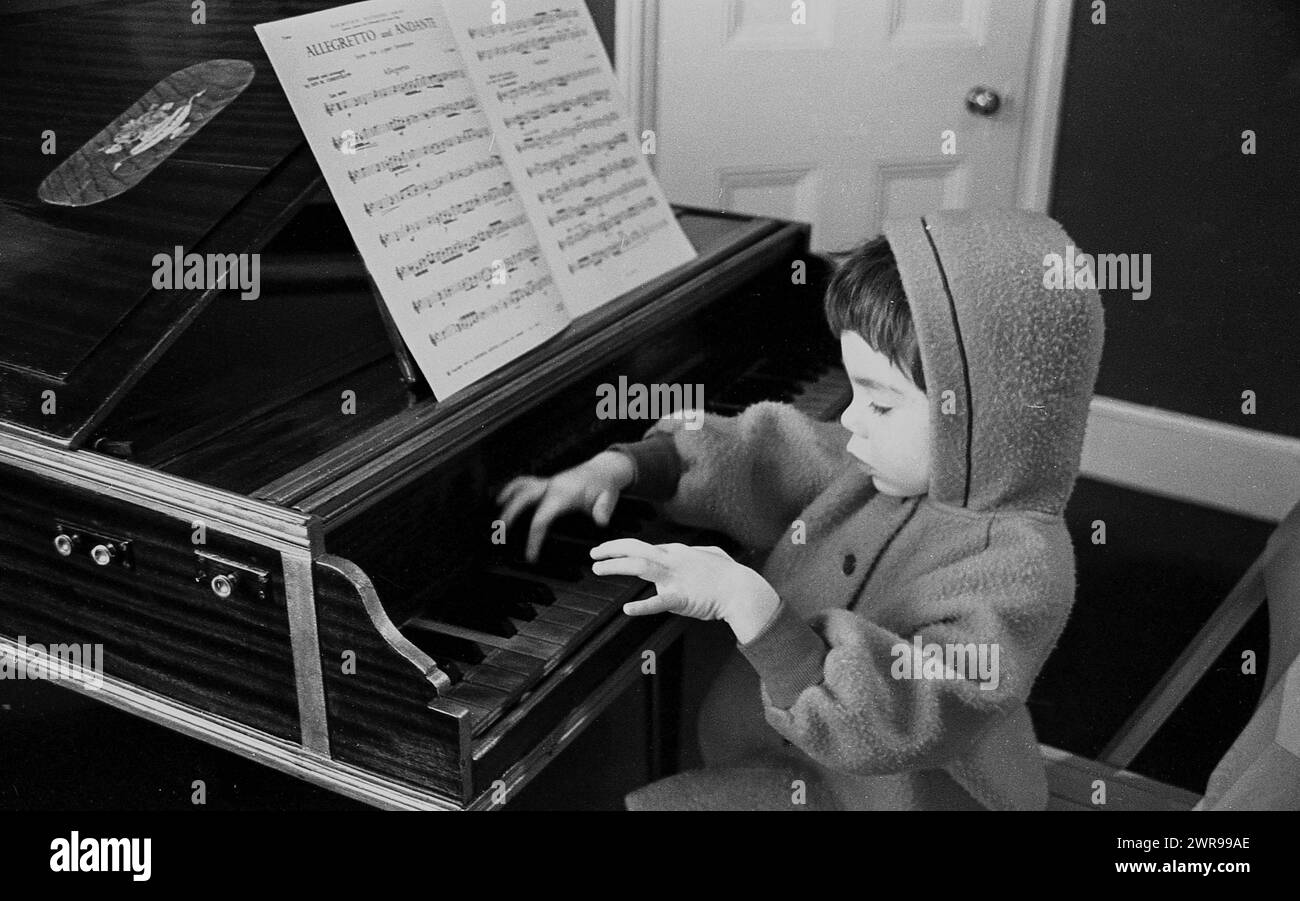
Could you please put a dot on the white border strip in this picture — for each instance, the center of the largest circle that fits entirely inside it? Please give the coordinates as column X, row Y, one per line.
column 1242, row 471
column 1043, row 105
column 636, row 60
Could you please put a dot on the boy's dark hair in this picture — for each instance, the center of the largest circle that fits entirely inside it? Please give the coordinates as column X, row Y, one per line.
column 865, row 295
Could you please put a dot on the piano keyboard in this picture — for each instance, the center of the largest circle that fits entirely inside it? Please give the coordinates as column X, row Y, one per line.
column 498, row 632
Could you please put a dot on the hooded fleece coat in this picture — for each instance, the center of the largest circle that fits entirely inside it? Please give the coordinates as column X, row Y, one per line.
column 815, row 711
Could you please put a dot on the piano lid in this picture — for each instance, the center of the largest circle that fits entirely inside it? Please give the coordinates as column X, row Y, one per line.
column 165, row 133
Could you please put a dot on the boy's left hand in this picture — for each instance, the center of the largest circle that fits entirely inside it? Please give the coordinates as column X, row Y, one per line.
column 700, row 582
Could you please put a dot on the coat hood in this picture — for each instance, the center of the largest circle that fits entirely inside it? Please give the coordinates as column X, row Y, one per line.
column 1020, row 359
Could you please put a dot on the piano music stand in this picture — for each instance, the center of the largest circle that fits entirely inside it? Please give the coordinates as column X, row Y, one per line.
column 417, row 385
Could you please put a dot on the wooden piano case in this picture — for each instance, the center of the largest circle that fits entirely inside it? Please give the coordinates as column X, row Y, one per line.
column 243, row 501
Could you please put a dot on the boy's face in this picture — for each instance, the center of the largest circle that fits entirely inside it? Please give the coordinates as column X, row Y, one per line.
column 889, row 418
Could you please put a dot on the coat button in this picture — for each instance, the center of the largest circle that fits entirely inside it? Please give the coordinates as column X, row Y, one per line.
column 850, row 564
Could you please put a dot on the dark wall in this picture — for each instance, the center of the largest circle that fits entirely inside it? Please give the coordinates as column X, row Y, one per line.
column 1150, row 161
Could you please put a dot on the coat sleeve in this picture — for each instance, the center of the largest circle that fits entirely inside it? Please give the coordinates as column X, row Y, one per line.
column 841, row 687
column 747, row 476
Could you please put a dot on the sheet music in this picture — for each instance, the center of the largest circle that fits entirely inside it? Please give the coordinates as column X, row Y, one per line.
column 546, row 84
column 383, row 98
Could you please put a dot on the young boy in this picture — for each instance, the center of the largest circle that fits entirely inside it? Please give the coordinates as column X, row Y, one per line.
column 918, row 573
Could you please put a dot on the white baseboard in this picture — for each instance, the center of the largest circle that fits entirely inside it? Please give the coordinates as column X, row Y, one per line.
column 1242, row 471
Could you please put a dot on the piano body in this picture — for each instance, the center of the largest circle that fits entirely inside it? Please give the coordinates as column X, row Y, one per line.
column 282, row 544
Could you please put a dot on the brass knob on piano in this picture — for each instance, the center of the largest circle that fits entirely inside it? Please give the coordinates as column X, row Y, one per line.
column 103, row 554
column 65, row 544
column 223, row 584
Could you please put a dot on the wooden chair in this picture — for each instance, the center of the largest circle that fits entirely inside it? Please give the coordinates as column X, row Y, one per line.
column 1261, row 771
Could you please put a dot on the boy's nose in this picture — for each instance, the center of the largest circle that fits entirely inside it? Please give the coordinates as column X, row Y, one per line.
column 852, row 420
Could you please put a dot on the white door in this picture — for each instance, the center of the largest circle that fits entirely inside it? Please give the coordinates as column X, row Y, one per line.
column 844, row 112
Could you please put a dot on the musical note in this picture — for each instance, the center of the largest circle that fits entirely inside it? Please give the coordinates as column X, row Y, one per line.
column 473, row 280
column 625, row 243
column 561, row 106
column 587, row 229
column 575, row 156
column 546, row 84
column 534, row 21
column 410, row 86
column 569, row 185
column 417, row 189
column 399, row 123
column 570, row 212
column 528, row 45
column 458, row 249
column 539, row 142
column 475, row 317
column 395, row 161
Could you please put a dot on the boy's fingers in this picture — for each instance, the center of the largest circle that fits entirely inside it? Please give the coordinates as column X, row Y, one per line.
column 656, row 604
column 547, row 511
column 507, row 489
column 603, row 509
column 629, row 566
column 515, row 485
column 714, row 549
column 625, row 547
column 521, row 501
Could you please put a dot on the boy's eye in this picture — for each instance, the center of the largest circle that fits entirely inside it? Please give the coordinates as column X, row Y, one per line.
column 879, row 410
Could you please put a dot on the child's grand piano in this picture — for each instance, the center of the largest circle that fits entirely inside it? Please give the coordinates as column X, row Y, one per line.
column 282, row 544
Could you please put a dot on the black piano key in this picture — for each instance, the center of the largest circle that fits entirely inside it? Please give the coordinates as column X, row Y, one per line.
column 485, row 704
column 558, row 559
column 479, row 717
column 477, row 613
column 524, row 665
column 454, row 656
column 527, row 592
column 566, row 616
column 586, row 603
column 508, row 681
column 554, row 633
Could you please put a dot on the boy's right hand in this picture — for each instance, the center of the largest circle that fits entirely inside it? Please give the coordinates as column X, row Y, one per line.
column 592, row 487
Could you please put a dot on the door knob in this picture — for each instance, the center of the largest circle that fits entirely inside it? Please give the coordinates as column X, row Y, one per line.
column 983, row 101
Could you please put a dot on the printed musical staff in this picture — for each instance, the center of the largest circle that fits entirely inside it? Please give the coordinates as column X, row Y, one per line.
column 535, row 21
column 582, row 101
column 591, row 203
column 361, row 137
column 476, row 316
column 540, row 142
column 574, row 157
column 454, row 251
column 395, row 162
column 410, row 86
column 587, row 229
column 418, row 189
column 631, row 241
column 532, row 45
column 570, row 185
column 546, row 85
